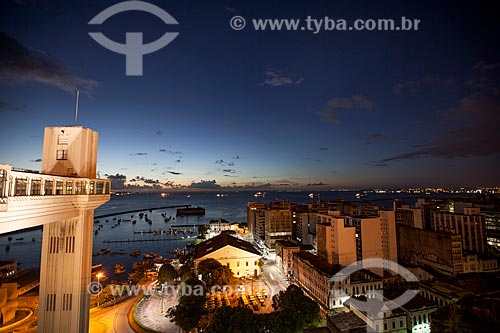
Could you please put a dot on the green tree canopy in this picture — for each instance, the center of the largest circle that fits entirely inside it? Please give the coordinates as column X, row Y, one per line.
column 233, row 319
column 213, row 273
column 166, row 273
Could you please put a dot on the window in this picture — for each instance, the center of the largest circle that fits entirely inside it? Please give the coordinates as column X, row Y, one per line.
column 238, row 264
column 62, row 154
column 3, row 182
column 400, row 323
column 69, row 187
column 92, row 188
column 59, row 187
column 99, row 188
column 21, row 186
column 80, row 187
column 247, row 263
column 49, row 187
column 36, row 187
column 107, row 188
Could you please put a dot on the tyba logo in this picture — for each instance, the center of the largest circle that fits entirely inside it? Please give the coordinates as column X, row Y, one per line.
column 133, row 49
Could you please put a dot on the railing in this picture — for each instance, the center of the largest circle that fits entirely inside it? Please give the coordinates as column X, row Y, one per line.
column 23, row 183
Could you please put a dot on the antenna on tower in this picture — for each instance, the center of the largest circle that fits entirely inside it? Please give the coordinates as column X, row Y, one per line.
column 76, row 108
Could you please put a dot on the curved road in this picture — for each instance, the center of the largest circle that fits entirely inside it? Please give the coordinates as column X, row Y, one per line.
column 112, row 319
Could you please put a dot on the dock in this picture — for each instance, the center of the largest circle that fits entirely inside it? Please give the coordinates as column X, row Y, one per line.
column 119, row 241
column 140, row 210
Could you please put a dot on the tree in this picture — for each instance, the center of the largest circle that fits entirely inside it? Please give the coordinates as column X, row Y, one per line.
column 301, row 310
column 233, row 319
column 213, row 273
column 166, row 273
column 191, row 306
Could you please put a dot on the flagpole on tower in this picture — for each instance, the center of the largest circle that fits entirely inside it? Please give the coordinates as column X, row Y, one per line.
column 76, row 109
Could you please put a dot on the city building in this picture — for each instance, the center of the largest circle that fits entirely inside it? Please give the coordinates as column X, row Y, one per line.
column 62, row 198
column 284, row 255
column 470, row 225
column 492, row 221
column 314, row 275
column 240, row 256
column 256, row 220
column 404, row 214
column 439, row 250
column 278, row 223
column 347, row 239
column 8, row 268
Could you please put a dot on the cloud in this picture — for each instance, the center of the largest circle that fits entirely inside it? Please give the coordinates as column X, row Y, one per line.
column 277, row 78
column 158, row 132
column 374, row 138
column 323, row 148
column 204, row 184
column 171, row 152
column 178, row 161
column 317, row 184
column 220, row 162
column 230, row 164
column 334, row 107
column 19, row 65
column 312, row 159
column 413, row 87
column 237, row 157
column 174, row 173
column 479, row 137
column 483, row 66
column 138, row 154
column 38, row 160
column 117, row 181
column 230, row 176
column 10, row 107
column 229, row 170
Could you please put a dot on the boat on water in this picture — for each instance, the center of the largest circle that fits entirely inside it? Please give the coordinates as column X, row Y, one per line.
column 118, row 266
column 121, row 252
column 164, row 195
column 135, row 253
column 311, row 195
column 260, row 194
column 190, row 211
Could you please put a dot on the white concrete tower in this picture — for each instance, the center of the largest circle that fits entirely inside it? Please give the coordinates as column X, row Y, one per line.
column 67, row 243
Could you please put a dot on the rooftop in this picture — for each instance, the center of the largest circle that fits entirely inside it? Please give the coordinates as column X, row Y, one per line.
column 286, row 243
column 346, row 321
column 219, row 242
column 318, row 263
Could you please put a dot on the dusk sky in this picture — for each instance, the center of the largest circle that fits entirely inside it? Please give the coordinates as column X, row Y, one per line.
column 288, row 108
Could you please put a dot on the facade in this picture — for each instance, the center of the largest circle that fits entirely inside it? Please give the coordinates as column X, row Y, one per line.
column 412, row 217
column 492, row 221
column 240, row 256
column 278, row 223
column 62, row 198
column 470, row 225
column 313, row 275
column 414, row 316
column 284, row 255
column 439, row 250
column 8, row 267
column 344, row 239
column 256, row 220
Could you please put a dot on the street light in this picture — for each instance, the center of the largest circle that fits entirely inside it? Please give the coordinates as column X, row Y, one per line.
column 98, row 276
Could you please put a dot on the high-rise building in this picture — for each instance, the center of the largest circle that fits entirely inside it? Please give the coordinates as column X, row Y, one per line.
column 278, row 223
column 255, row 220
column 470, row 225
column 62, row 198
column 346, row 239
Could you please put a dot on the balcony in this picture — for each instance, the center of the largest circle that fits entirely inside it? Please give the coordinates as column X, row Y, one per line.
column 29, row 198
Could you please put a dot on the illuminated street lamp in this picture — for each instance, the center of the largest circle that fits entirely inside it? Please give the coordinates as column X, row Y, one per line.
column 98, row 276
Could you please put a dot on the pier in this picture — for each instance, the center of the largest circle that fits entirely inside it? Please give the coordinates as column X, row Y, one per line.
column 119, row 241
column 140, row 210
